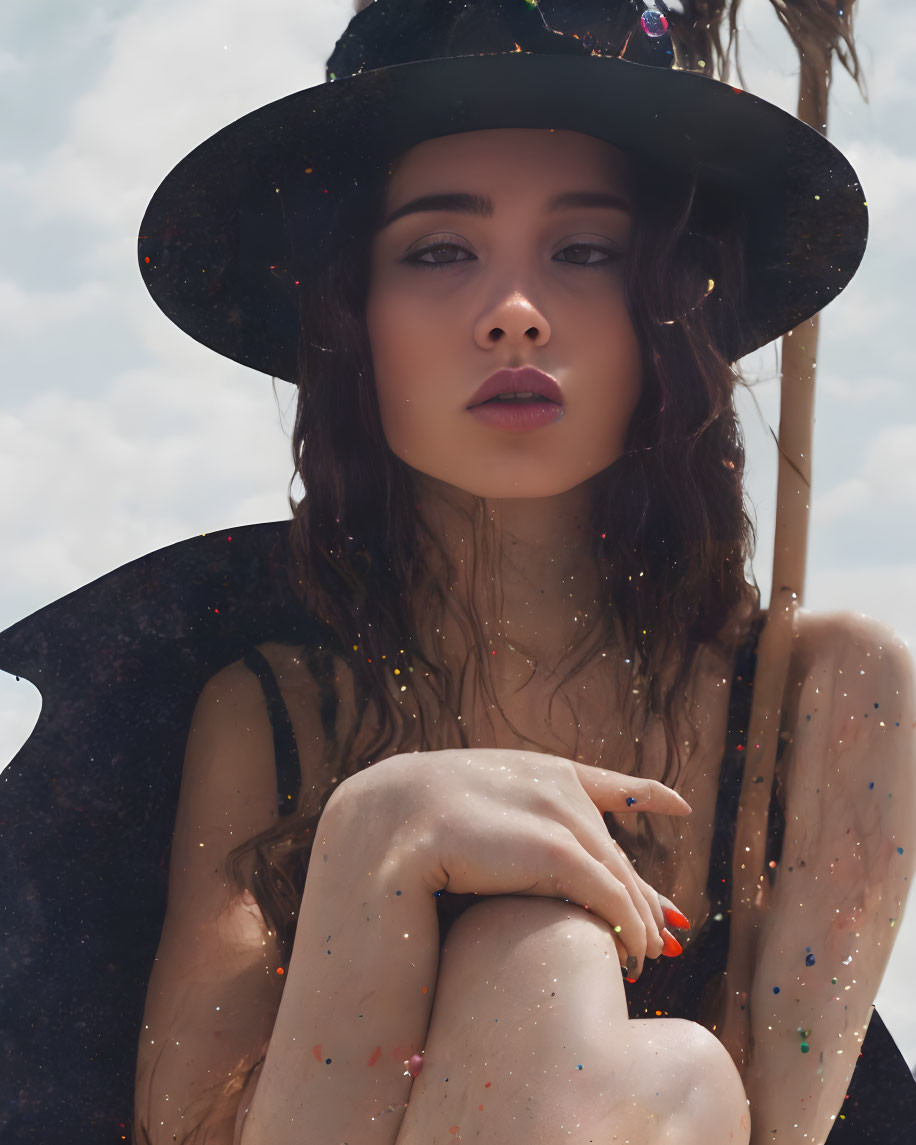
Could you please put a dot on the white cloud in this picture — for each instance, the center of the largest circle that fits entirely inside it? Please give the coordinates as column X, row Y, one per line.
column 889, row 178
column 28, row 312
column 10, row 64
column 865, row 391
column 884, row 591
column 178, row 71
column 847, row 497
column 885, row 481
column 109, row 477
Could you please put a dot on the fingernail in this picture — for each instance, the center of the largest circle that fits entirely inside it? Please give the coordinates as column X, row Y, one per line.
column 672, row 948
column 674, row 918
column 632, row 963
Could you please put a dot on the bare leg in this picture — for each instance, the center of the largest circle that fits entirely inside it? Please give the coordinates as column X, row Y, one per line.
column 530, row 1044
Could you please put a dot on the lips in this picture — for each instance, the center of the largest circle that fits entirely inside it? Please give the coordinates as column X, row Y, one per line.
column 524, row 380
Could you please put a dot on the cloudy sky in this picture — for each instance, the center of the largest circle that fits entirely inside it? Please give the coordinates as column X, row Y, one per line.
column 118, row 434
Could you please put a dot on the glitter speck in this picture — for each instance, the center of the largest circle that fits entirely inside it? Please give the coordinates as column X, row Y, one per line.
column 630, row 801
column 653, row 23
column 775, row 989
column 809, row 959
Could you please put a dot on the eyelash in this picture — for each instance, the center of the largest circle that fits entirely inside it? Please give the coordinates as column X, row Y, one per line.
column 416, row 259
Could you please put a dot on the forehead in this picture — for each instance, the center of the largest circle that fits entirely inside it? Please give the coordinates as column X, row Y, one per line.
column 510, row 158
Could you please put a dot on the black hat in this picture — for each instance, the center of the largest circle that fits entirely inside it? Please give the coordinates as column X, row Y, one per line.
column 215, row 248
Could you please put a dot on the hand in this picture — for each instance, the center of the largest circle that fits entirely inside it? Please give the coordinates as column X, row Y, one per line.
column 506, row 822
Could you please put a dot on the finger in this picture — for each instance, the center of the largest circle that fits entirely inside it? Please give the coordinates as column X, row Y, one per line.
column 593, row 837
column 673, row 916
column 611, row 791
column 584, row 821
column 581, row 878
column 642, row 895
column 653, row 898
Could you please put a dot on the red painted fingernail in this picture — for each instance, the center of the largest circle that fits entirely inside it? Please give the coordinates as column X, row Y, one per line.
column 674, row 918
column 672, row 948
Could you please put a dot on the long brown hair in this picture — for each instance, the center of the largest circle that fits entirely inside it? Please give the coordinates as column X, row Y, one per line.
column 672, row 539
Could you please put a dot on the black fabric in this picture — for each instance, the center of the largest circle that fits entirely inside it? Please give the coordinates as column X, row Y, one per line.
column 289, row 771
column 680, row 987
column 87, row 809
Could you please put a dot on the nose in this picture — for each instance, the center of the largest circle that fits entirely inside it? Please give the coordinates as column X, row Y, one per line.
column 513, row 321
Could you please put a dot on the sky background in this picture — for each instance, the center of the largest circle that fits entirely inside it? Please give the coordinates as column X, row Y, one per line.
column 118, row 434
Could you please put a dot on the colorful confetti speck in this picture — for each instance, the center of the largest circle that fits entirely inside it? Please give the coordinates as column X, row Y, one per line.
column 653, row 23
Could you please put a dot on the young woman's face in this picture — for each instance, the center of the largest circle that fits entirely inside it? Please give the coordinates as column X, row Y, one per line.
column 499, row 250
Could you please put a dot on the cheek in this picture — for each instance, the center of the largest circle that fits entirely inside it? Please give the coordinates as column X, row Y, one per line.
column 613, row 359
column 391, row 350
column 401, row 367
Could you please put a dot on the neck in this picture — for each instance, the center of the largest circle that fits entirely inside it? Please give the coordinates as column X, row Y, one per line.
column 522, row 569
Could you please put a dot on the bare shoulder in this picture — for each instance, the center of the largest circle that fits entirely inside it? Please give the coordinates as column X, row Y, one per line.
column 229, row 779
column 228, row 783
column 853, row 657
column 851, row 716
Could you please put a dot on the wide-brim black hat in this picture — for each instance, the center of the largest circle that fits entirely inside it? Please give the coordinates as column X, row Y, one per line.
column 215, row 244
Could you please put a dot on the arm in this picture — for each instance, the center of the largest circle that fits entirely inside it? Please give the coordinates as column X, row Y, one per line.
column 363, row 971
column 359, row 990
column 842, row 880
column 213, row 991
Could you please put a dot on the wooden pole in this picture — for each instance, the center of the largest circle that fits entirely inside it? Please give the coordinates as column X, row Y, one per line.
column 750, row 882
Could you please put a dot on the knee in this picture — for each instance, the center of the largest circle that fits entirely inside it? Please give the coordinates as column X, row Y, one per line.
column 713, row 1103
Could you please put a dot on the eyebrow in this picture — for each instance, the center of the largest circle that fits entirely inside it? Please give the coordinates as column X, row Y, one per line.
column 483, row 207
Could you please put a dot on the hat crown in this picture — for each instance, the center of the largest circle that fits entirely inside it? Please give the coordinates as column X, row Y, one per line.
column 390, row 32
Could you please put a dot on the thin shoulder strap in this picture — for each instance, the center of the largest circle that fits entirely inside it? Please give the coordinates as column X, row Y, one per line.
column 731, row 776
column 286, row 753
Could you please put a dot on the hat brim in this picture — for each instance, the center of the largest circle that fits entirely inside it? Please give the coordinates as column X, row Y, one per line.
column 214, row 247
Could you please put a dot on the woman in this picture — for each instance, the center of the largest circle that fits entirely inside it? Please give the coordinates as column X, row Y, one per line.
column 479, row 557
column 624, row 514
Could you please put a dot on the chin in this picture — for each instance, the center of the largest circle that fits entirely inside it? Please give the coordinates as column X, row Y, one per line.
column 536, row 488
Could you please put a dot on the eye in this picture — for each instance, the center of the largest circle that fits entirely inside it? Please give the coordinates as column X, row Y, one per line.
column 586, row 254
column 439, row 254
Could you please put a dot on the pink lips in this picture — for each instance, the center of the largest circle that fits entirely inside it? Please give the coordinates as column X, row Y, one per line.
column 526, row 379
